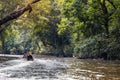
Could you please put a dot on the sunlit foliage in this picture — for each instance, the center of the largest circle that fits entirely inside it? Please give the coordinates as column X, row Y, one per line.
column 62, row 27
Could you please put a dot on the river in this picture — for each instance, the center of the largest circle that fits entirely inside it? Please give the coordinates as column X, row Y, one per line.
column 50, row 68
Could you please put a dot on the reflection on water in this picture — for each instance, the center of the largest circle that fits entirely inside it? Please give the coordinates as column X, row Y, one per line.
column 94, row 69
column 59, row 69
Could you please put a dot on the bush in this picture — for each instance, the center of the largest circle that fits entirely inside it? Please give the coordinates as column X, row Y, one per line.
column 98, row 47
column 68, row 50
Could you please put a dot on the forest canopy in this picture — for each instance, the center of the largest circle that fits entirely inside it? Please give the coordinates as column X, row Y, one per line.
column 80, row 28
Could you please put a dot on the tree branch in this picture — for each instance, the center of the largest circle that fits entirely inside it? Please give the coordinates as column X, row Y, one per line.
column 103, row 6
column 17, row 13
column 112, row 4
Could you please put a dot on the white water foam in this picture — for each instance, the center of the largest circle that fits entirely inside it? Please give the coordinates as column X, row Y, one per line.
column 51, row 63
column 17, row 64
column 21, row 64
column 7, row 55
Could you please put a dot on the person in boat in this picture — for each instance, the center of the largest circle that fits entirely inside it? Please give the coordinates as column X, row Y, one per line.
column 24, row 55
column 29, row 56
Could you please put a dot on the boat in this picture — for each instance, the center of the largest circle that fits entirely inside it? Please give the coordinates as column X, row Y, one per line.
column 28, row 56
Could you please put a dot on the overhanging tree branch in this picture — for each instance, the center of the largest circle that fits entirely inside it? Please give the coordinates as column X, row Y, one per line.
column 17, row 13
column 112, row 4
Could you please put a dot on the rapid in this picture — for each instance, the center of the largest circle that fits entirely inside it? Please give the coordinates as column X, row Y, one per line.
column 52, row 68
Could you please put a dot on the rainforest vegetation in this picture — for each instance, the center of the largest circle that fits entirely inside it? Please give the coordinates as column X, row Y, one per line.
column 79, row 28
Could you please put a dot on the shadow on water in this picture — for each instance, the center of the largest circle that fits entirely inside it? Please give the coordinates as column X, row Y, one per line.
column 59, row 69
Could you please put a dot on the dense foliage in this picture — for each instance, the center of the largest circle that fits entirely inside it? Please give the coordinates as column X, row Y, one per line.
column 81, row 28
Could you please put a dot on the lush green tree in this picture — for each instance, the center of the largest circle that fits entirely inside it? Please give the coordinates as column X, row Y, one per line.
column 48, row 31
column 60, row 26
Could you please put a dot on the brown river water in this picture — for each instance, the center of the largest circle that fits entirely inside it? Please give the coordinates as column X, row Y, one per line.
column 51, row 68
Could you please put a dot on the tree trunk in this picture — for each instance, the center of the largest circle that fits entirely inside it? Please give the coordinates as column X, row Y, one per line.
column 59, row 51
column 38, row 45
column 106, row 16
column 106, row 27
column 3, row 42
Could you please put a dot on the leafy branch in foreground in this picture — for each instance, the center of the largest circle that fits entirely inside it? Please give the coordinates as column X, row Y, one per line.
column 17, row 13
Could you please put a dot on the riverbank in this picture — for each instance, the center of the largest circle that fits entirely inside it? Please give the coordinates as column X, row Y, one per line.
column 5, row 58
column 98, row 47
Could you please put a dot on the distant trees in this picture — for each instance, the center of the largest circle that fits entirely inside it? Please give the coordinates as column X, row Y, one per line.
column 47, row 29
